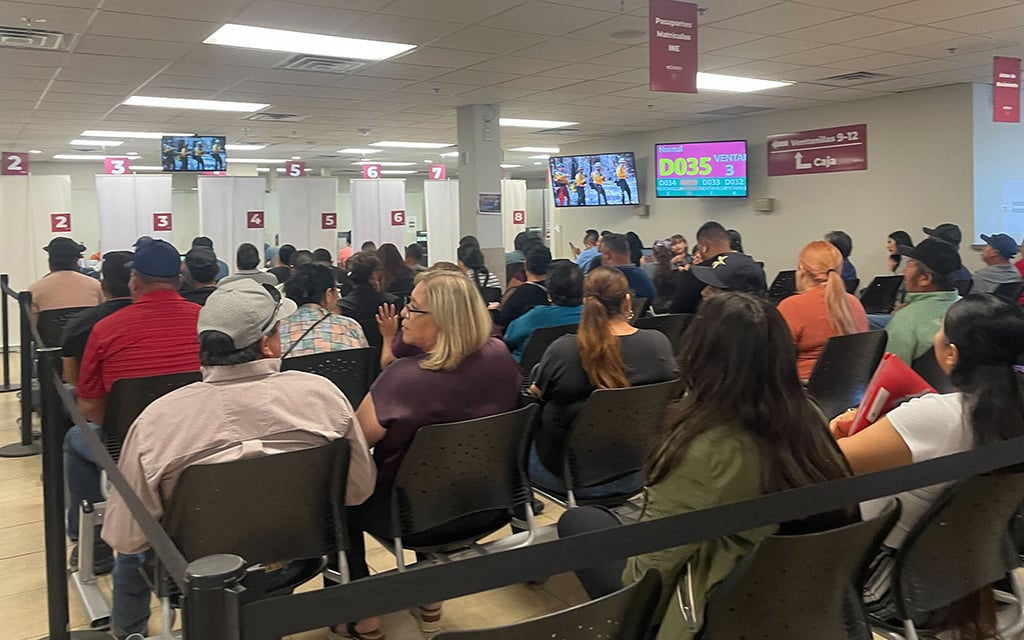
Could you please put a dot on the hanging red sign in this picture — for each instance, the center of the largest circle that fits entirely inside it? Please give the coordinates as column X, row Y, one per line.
column 672, row 46
column 1005, row 89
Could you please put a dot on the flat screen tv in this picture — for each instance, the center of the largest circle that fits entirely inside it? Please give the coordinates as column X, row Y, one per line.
column 594, row 180
column 194, row 153
column 701, row 169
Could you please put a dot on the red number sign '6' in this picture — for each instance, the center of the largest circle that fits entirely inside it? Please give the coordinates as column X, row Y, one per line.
column 371, row 171
column 254, row 219
column 328, row 220
column 397, row 217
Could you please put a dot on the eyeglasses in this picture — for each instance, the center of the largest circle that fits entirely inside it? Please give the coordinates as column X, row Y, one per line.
column 276, row 295
column 407, row 306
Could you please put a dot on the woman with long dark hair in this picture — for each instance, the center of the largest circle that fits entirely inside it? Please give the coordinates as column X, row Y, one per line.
column 395, row 276
column 665, row 275
column 893, row 243
column 981, row 347
column 471, row 261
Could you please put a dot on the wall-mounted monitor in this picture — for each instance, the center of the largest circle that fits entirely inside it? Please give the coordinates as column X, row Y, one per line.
column 594, row 180
column 194, row 153
column 701, row 169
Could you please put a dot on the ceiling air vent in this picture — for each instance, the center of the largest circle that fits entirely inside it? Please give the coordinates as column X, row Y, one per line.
column 854, row 77
column 738, row 110
column 264, row 116
column 322, row 64
column 21, row 38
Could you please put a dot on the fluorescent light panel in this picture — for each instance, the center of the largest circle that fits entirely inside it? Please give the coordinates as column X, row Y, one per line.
column 534, row 124
column 411, row 145
column 246, row 37
column 141, row 135
column 396, row 172
column 540, row 157
column 96, row 143
column 450, row 154
column 386, row 164
column 82, row 156
column 256, row 160
column 34, row 151
column 358, row 152
column 536, row 149
column 719, row 82
column 244, row 147
column 509, row 166
column 188, row 103
column 146, row 167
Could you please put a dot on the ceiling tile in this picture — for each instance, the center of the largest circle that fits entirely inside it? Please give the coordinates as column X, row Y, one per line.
column 487, row 40
column 1007, row 17
column 849, row 28
column 823, row 55
column 929, row 11
column 476, row 78
column 585, row 72
column 67, row 86
column 219, row 11
column 134, row 47
column 919, row 68
column 184, row 82
column 770, row 47
column 294, row 16
column 566, row 51
column 371, row 83
column 536, row 83
column 24, row 71
column 112, row 23
column 513, row 64
column 768, row 69
column 400, row 29
column 718, row 10
column 602, row 31
column 862, row 6
column 905, row 39
column 467, row 11
column 207, row 54
column 876, row 62
column 57, row 18
column 438, row 57
column 711, row 38
column 612, row 6
column 434, row 88
column 400, row 71
column 545, row 18
column 780, row 18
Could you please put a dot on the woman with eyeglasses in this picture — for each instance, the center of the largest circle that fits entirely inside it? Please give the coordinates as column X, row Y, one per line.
column 316, row 327
column 463, row 374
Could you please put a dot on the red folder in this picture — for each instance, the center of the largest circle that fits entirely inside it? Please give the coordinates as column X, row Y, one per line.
column 892, row 384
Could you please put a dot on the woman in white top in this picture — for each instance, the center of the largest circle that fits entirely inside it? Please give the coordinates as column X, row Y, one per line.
column 896, row 240
column 981, row 347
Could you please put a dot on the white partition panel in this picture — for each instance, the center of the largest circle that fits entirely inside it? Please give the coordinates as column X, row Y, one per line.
column 232, row 210
column 28, row 206
column 513, row 200
column 441, row 206
column 375, row 207
column 308, row 211
column 131, row 206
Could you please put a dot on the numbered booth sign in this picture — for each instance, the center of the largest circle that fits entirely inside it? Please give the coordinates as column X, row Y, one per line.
column 117, row 166
column 371, row 171
column 295, row 169
column 397, row 217
column 328, row 220
column 162, row 222
column 254, row 219
column 60, row 222
column 518, row 217
column 14, row 164
column 438, row 172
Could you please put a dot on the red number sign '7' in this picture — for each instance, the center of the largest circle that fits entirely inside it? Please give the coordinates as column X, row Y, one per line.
column 328, row 220
column 60, row 222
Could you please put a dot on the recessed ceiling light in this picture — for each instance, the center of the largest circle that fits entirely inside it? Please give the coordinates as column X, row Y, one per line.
column 536, row 149
column 412, row 145
column 509, row 166
column 397, row 172
column 133, row 154
column 358, row 152
column 96, row 143
column 244, row 147
column 296, row 157
column 256, row 160
column 538, row 163
column 238, row 35
column 34, row 151
column 386, row 164
column 719, row 82
column 262, row 170
column 540, row 157
column 82, row 156
column 450, row 154
column 142, row 135
column 188, row 103
column 146, row 167
column 534, row 124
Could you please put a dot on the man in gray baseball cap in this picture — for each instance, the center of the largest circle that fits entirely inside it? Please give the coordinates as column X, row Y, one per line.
column 996, row 254
column 244, row 407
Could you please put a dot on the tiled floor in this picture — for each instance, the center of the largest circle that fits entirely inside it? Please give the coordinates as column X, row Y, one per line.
column 23, row 612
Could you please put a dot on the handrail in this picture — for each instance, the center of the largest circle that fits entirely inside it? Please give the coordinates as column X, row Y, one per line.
column 5, row 290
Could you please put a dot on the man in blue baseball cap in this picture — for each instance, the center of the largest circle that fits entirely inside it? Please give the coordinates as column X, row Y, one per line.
column 996, row 254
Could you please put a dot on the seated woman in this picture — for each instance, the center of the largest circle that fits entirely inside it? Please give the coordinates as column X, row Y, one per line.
column 462, row 374
column 396, row 276
column 565, row 289
column 361, row 305
column 471, row 261
column 981, row 347
column 822, row 309
column 531, row 293
column 606, row 353
column 665, row 275
column 315, row 328
column 896, row 240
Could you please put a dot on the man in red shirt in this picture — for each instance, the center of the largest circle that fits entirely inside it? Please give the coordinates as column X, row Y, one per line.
column 156, row 335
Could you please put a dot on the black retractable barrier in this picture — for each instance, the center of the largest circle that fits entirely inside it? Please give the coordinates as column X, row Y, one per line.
column 5, row 290
column 27, row 446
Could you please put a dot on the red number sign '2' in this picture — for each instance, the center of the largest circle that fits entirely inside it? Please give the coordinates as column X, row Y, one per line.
column 328, row 220
column 254, row 219
column 518, row 216
column 162, row 222
column 14, row 164
column 60, row 222
column 397, row 217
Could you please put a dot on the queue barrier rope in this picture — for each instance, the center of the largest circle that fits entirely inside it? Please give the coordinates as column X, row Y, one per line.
column 26, row 446
column 5, row 292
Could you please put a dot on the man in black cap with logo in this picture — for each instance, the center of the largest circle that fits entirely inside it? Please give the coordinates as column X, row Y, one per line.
column 730, row 272
column 999, row 248
column 65, row 286
column 201, row 271
column 950, row 234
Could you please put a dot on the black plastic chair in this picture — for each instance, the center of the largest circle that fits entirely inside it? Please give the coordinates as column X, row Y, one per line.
column 964, row 285
column 512, row 269
column 538, row 343
column 624, row 615
column 127, row 399
column 673, row 325
column 50, row 325
column 928, row 368
column 783, row 286
column 880, row 295
column 439, row 507
column 351, row 370
column 800, row 587
column 843, row 370
column 960, row 545
column 1010, row 291
column 639, row 307
column 610, row 439
column 851, row 285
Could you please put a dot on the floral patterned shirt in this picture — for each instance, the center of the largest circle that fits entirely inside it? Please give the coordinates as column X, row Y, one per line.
column 334, row 333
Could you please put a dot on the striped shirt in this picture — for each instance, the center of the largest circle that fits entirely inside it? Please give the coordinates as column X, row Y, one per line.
column 334, row 333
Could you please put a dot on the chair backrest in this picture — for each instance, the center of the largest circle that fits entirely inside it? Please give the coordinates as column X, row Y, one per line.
column 51, row 325
column 538, row 343
column 268, row 508
column 783, row 286
column 843, row 370
column 639, row 307
column 880, row 295
column 512, row 269
column 623, row 615
column 129, row 396
column 672, row 325
column 962, row 544
column 614, row 432
column 851, row 285
column 491, row 294
column 1010, row 291
column 928, row 368
column 351, row 370
column 798, row 587
column 964, row 285
column 462, row 468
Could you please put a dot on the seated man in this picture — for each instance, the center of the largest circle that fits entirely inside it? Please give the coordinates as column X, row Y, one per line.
column 730, row 272
column 206, row 243
column 999, row 248
column 247, row 263
column 533, row 292
column 201, row 269
column 712, row 243
column 930, row 292
column 78, row 328
column 950, row 234
column 615, row 253
column 216, row 420
column 64, row 286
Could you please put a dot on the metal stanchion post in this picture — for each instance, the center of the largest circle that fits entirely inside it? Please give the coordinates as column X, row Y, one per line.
column 54, row 428
column 27, row 447
column 6, row 386
column 212, row 590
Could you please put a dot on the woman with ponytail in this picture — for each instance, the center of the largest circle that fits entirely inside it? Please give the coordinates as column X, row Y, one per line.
column 606, row 353
column 823, row 308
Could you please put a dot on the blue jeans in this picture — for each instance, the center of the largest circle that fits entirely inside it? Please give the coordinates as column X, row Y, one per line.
column 878, row 321
column 83, row 476
column 541, row 476
column 130, row 611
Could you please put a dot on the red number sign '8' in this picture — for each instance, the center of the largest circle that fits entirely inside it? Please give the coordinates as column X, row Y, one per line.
column 518, row 217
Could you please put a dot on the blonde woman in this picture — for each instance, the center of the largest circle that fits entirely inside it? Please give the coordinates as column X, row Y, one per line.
column 462, row 374
column 823, row 308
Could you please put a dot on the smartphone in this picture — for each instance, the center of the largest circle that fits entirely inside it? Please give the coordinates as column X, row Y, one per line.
column 572, row 246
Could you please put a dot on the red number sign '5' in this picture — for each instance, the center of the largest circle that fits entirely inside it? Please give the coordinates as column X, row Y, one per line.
column 328, row 220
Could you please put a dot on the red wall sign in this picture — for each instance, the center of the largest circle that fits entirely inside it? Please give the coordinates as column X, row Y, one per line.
column 60, row 222
column 13, row 164
column 254, row 219
column 673, row 46
column 163, row 221
column 371, row 171
column 518, row 217
column 295, row 169
column 438, row 172
column 397, row 217
column 1005, row 89
column 819, row 151
column 117, row 166
column 328, row 220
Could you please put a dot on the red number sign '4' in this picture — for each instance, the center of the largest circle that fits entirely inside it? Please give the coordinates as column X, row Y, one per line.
column 162, row 221
column 254, row 219
column 328, row 220
column 60, row 222
column 13, row 164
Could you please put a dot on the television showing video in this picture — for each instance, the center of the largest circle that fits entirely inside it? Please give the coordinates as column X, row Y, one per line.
column 701, row 169
column 194, row 153
column 594, row 180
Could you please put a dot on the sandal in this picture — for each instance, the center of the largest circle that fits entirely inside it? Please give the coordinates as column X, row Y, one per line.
column 348, row 632
column 429, row 618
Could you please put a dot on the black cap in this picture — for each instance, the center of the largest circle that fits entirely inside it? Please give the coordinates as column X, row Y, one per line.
column 1004, row 244
column 937, row 255
column 733, row 272
column 199, row 258
column 64, row 249
column 947, row 232
column 202, row 241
